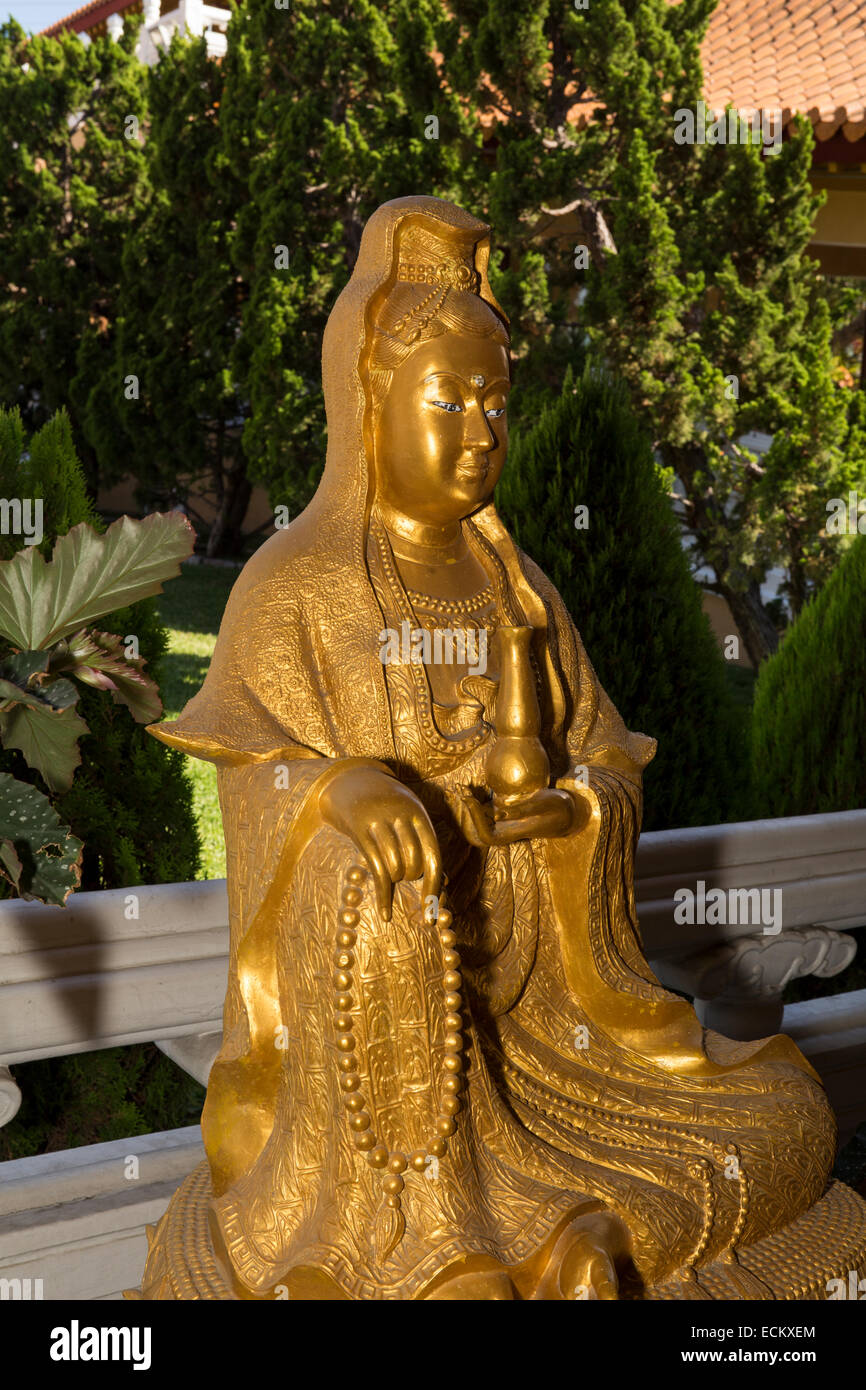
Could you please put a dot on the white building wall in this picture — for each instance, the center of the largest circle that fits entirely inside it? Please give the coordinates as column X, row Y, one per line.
column 194, row 17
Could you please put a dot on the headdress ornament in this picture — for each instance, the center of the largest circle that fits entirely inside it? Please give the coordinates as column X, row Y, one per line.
column 428, row 258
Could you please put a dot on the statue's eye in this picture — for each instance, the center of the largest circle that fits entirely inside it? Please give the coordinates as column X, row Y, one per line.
column 495, row 413
column 448, row 405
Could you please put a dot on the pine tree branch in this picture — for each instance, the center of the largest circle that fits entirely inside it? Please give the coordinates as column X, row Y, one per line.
column 593, row 224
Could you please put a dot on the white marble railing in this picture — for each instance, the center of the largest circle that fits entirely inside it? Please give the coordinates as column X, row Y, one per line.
column 810, row 872
column 150, row 963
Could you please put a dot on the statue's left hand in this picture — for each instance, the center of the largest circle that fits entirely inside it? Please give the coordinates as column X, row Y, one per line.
column 546, row 815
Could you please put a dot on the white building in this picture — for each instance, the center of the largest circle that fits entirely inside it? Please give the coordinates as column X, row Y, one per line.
column 160, row 19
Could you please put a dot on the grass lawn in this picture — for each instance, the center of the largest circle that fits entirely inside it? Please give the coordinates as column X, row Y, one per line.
column 191, row 608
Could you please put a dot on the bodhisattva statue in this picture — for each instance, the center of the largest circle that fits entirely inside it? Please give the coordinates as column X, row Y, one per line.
column 447, row 1071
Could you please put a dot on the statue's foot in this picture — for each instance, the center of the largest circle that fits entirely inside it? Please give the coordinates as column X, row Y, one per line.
column 588, row 1271
column 583, row 1263
column 489, row 1285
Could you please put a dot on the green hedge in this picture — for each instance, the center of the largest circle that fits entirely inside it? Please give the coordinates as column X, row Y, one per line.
column 627, row 583
column 809, row 718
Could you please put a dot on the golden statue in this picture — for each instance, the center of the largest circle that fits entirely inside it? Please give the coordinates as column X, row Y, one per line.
column 447, row 1071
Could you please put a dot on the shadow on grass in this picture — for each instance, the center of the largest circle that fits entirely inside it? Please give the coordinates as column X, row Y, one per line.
column 196, row 600
column 181, row 677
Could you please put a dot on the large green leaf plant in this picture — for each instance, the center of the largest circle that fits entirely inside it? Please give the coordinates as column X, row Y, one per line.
column 47, row 612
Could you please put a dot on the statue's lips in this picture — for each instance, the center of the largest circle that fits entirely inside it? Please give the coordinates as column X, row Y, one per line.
column 473, row 468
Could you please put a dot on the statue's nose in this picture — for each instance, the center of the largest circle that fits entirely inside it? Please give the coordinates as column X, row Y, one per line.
column 478, row 434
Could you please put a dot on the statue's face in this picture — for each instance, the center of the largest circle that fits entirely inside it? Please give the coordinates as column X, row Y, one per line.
column 441, row 436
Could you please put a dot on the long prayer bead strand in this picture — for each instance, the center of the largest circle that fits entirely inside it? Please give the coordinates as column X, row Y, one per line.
column 378, row 1155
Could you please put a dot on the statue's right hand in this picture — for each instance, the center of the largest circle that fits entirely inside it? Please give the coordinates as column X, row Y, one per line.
column 388, row 825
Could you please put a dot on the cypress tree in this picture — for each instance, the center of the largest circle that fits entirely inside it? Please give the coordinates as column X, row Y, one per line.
column 179, row 309
column 626, row 581
column 809, row 718
column 701, row 294
column 73, row 182
column 48, row 470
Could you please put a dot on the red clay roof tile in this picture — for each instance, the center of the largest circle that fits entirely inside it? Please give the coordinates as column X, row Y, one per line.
column 87, row 15
column 808, row 55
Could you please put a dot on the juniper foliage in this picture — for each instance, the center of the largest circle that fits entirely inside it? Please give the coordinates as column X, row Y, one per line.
column 809, row 716
column 626, row 582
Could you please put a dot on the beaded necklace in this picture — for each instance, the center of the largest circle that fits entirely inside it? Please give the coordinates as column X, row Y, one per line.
column 452, row 607
column 505, row 611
